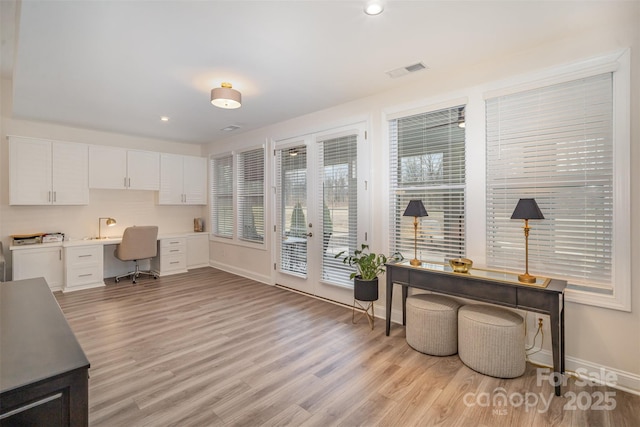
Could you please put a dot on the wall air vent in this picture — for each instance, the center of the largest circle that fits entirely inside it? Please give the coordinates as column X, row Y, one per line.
column 230, row 128
column 403, row 71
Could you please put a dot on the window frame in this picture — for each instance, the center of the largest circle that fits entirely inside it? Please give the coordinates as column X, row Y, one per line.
column 238, row 158
column 391, row 191
column 618, row 63
column 214, row 198
column 236, row 237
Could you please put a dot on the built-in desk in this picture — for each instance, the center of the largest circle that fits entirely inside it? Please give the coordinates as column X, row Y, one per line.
column 44, row 371
column 84, row 263
column 545, row 296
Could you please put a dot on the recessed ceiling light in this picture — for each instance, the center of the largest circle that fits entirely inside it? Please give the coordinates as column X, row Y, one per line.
column 373, row 7
column 164, row 118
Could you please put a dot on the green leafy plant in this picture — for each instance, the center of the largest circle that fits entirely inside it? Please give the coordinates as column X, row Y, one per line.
column 368, row 265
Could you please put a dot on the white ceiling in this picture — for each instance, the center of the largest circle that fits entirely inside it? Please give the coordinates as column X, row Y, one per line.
column 121, row 65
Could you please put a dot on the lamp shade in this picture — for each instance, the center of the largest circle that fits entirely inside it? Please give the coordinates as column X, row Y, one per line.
column 415, row 208
column 111, row 222
column 527, row 209
column 226, row 97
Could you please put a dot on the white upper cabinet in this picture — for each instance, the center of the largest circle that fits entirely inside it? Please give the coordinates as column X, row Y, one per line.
column 45, row 172
column 118, row 168
column 183, row 180
column 195, row 180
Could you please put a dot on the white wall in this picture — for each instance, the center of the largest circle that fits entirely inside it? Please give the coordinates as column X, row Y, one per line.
column 594, row 336
column 128, row 207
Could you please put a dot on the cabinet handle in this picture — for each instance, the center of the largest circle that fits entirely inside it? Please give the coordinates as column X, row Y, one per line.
column 129, row 182
column 31, row 405
column 48, row 196
column 55, row 196
column 125, row 182
column 84, row 256
column 174, row 250
column 85, row 275
column 175, row 262
column 175, row 242
column 60, row 255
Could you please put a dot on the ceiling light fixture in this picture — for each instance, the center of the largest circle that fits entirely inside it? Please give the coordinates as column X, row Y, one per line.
column 373, row 7
column 164, row 118
column 226, row 97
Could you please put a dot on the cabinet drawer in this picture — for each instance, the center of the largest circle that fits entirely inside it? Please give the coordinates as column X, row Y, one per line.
column 84, row 255
column 78, row 276
column 172, row 250
column 172, row 243
column 173, row 262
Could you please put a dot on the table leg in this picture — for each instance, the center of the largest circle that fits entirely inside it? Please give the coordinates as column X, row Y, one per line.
column 388, row 302
column 405, row 293
column 556, row 317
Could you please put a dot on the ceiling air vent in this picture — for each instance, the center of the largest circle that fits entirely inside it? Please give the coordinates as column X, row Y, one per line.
column 403, row 71
column 230, row 128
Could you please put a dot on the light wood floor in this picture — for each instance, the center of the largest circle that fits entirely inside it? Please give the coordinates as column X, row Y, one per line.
column 208, row 348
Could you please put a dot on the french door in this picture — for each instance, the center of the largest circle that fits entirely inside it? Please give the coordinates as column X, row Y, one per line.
column 321, row 210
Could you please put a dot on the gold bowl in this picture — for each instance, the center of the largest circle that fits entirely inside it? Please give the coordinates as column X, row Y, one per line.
column 460, row 265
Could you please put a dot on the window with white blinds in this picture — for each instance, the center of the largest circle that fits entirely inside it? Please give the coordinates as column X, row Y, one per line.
column 553, row 144
column 222, row 196
column 428, row 163
column 250, row 194
column 291, row 208
column 339, row 201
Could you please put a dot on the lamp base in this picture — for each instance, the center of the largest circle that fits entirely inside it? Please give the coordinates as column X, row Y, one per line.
column 526, row 278
column 415, row 262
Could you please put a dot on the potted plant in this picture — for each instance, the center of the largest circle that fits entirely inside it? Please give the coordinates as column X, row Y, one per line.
column 368, row 266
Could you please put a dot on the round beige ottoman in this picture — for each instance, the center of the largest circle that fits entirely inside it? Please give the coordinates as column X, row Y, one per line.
column 432, row 324
column 491, row 340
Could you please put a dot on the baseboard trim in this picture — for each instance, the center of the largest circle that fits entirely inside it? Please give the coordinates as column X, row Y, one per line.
column 586, row 370
column 242, row 272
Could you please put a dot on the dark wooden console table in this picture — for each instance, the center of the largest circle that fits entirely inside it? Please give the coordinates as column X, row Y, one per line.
column 494, row 287
column 43, row 369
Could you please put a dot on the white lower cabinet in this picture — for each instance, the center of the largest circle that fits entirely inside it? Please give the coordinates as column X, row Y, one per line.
column 39, row 261
column 83, row 267
column 197, row 250
column 172, row 256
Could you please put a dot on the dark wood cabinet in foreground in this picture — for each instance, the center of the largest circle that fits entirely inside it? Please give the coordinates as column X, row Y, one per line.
column 43, row 369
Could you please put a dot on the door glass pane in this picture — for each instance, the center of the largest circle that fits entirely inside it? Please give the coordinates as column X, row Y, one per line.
column 292, row 209
column 339, row 205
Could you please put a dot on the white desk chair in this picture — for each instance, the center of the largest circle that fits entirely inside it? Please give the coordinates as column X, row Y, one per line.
column 138, row 243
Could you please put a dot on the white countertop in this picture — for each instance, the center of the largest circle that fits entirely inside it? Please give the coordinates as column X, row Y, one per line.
column 112, row 240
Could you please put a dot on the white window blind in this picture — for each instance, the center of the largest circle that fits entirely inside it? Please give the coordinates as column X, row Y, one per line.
column 291, row 205
column 222, row 196
column 339, row 201
column 428, row 163
column 554, row 144
column 250, row 172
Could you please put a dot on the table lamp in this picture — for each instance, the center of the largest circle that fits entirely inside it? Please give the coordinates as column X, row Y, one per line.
column 110, row 223
column 416, row 209
column 527, row 209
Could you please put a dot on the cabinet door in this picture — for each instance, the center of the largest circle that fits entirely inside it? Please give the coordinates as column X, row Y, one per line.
column 29, row 172
column 143, row 170
column 197, row 251
column 40, row 261
column 70, row 174
column 195, row 180
column 107, row 167
column 170, row 180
